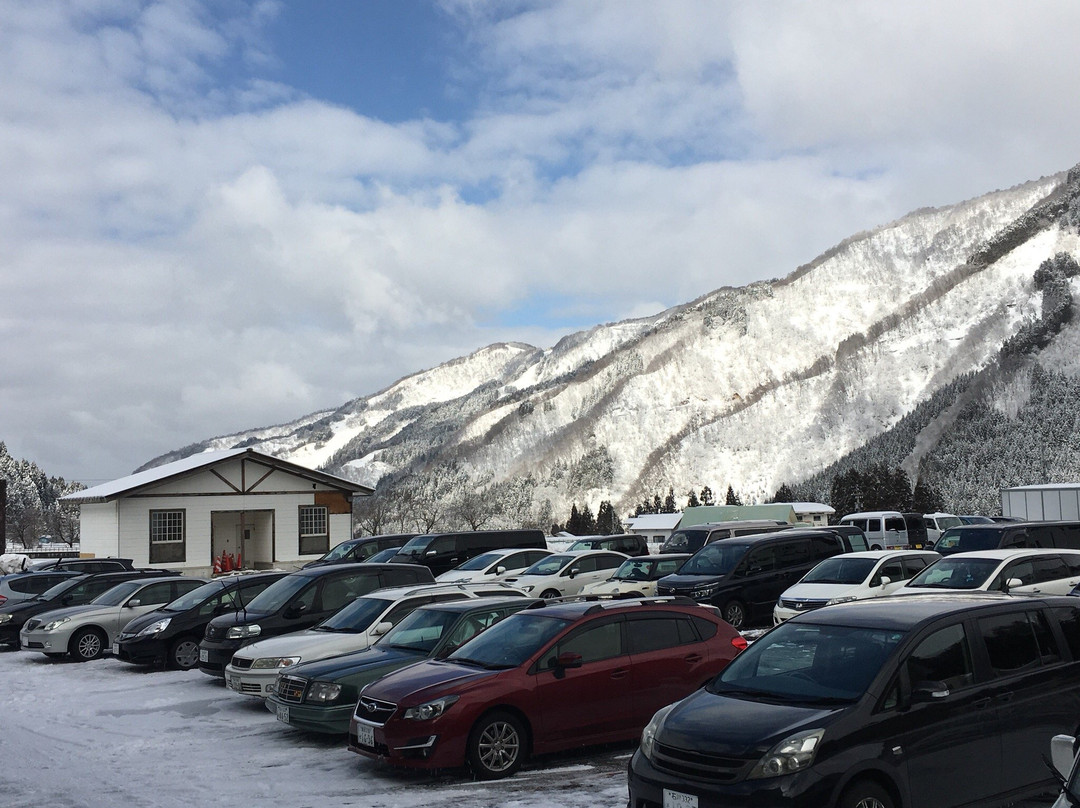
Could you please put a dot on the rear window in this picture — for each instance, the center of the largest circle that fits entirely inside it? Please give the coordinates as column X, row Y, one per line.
column 966, row 539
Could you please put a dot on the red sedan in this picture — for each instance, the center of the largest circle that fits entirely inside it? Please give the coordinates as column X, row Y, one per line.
column 555, row 676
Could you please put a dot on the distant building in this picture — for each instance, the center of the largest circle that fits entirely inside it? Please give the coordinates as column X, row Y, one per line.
column 778, row 512
column 655, row 527
column 252, row 506
column 812, row 513
column 1042, row 503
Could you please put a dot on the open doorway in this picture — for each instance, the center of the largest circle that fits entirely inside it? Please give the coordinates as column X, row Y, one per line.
column 245, row 539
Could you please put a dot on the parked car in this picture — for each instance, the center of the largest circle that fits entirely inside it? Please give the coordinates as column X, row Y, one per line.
column 383, row 556
column 444, row 551
column 362, row 548
column 1053, row 572
column 628, row 544
column 563, row 574
column 83, row 565
column 744, row 577
column 355, row 627
column 637, row 577
column 851, row 576
column 938, row 523
column 298, row 601
column 975, row 519
column 21, row 586
column 496, row 565
column 321, row 696
column 554, row 676
column 890, row 530
column 854, row 540
column 171, row 634
column 1063, row 755
column 925, row 701
column 965, row 538
column 86, row 632
column 693, row 538
column 71, row 592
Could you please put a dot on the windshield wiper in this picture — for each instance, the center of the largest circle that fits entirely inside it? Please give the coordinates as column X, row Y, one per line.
column 476, row 663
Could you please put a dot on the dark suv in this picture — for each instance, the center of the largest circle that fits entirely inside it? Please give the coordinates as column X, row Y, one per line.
column 73, row 592
column 628, row 544
column 557, row 675
column 744, row 577
column 353, row 551
column 921, row 700
column 296, row 602
column 1007, row 535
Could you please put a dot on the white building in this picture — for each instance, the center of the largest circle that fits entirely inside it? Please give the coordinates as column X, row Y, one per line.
column 813, row 513
column 655, row 527
column 258, row 510
column 1039, row 503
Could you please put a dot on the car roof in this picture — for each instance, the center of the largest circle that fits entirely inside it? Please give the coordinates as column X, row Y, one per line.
column 572, row 608
column 337, row 569
column 874, row 554
column 470, row 604
column 659, row 557
column 1013, row 552
column 905, row 612
column 397, row 592
column 753, row 538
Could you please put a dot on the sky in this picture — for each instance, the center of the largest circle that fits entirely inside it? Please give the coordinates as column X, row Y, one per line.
column 221, row 215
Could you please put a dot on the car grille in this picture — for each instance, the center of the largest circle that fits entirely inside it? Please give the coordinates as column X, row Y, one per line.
column 801, row 605
column 291, row 689
column 242, row 663
column 374, row 711
column 31, row 624
column 701, row 766
column 246, row 687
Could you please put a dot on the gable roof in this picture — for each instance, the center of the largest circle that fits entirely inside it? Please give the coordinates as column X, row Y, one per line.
column 132, row 484
column 655, row 521
column 780, row 512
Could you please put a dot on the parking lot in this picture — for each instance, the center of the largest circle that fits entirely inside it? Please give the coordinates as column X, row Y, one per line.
column 107, row 733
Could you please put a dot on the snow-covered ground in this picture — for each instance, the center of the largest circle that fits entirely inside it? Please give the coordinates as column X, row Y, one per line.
column 105, row 733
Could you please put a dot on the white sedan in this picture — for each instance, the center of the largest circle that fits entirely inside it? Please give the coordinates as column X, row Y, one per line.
column 567, row 573
column 851, row 576
column 496, row 565
column 1026, row 571
column 637, row 577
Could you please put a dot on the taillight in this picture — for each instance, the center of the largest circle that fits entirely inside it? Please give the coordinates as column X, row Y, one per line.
column 740, row 643
column 2, row 599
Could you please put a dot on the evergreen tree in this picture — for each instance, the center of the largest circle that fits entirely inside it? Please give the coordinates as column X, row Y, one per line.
column 784, row 494
column 691, row 499
column 732, row 498
column 607, row 521
column 573, row 524
column 669, row 502
column 657, row 504
column 588, row 522
column 707, row 497
column 926, row 498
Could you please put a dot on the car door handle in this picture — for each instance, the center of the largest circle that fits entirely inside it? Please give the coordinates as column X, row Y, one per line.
column 981, row 703
column 1005, row 696
column 619, row 673
column 692, row 658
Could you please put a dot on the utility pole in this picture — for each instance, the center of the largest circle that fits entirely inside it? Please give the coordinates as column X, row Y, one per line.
column 3, row 516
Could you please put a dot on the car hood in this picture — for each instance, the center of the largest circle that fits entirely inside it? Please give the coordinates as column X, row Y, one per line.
column 690, row 581
column 366, row 662
column 306, row 644
column 821, row 591
column 459, row 575
column 240, row 618
column 424, row 680
column 728, row 726
column 74, row 611
column 535, row 580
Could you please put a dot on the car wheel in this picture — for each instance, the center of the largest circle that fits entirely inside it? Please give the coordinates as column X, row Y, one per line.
column 184, row 654
column 87, row 644
column 548, row 594
column 865, row 794
column 735, row 614
column 496, row 746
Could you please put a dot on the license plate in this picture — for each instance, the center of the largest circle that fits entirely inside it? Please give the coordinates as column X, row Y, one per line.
column 676, row 799
column 282, row 713
column 204, row 655
column 365, row 735
column 116, row 649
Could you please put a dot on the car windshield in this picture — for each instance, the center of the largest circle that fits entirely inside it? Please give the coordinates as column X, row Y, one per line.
column 550, row 565
column 195, row 597
column 718, row 558
column 117, row 595
column 480, row 562
column 279, row 593
column 840, row 570
column 945, row 522
column 804, row 662
column 419, row 631
column 968, row 538
column 340, row 551
column 635, row 570
column 60, row 589
column 416, row 546
column 356, row 617
column 955, row 573
column 509, row 643
column 683, row 540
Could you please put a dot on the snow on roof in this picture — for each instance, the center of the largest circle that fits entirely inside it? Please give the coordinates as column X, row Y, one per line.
column 125, row 485
column 811, row 507
column 655, row 521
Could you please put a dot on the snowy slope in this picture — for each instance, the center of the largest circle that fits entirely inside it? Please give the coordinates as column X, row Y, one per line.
column 750, row 387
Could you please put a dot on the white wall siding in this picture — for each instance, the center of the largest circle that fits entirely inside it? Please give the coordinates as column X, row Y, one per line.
column 99, row 531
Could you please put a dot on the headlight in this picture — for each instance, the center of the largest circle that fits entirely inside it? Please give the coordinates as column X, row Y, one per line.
column 243, row 632
column 155, row 628
column 648, row 735
column 323, row 692
column 5, row 618
column 844, row 599
column 55, row 624
column 528, row 588
column 790, row 755
column 275, row 662
column 704, row 592
column 430, row 710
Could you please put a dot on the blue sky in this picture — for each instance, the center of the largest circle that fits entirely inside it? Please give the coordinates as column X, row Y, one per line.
column 222, row 214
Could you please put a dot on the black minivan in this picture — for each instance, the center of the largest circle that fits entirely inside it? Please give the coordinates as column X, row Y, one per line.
column 913, row 701
column 298, row 601
column 353, row 551
column 966, row 538
column 444, row 551
column 744, row 576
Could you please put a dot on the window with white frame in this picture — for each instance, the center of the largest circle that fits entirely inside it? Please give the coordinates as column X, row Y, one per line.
column 168, row 544
column 314, row 529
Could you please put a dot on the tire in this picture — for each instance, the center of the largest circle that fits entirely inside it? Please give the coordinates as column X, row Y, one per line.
column 865, row 794
column 548, row 594
column 184, row 654
column 735, row 614
column 87, row 644
column 497, row 746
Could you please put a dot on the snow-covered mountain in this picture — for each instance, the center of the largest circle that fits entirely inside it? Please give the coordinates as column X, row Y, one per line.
column 749, row 387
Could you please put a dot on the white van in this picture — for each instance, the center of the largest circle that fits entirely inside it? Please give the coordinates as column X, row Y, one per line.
column 938, row 523
column 885, row 530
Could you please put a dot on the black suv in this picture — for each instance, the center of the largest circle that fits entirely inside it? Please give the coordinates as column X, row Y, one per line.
column 172, row 633
column 920, row 700
column 298, row 601
column 745, row 576
column 84, row 565
column 352, row 551
column 1006, row 535
column 627, row 543
column 72, row 592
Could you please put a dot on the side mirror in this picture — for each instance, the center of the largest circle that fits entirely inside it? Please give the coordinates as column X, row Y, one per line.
column 223, row 608
column 573, row 572
column 1012, row 583
column 131, row 604
column 294, row 611
column 885, row 580
column 1061, row 754
column 66, row 600
column 430, row 552
column 382, row 628
column 929, row 691
column 500, row 570
column 568, row 659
